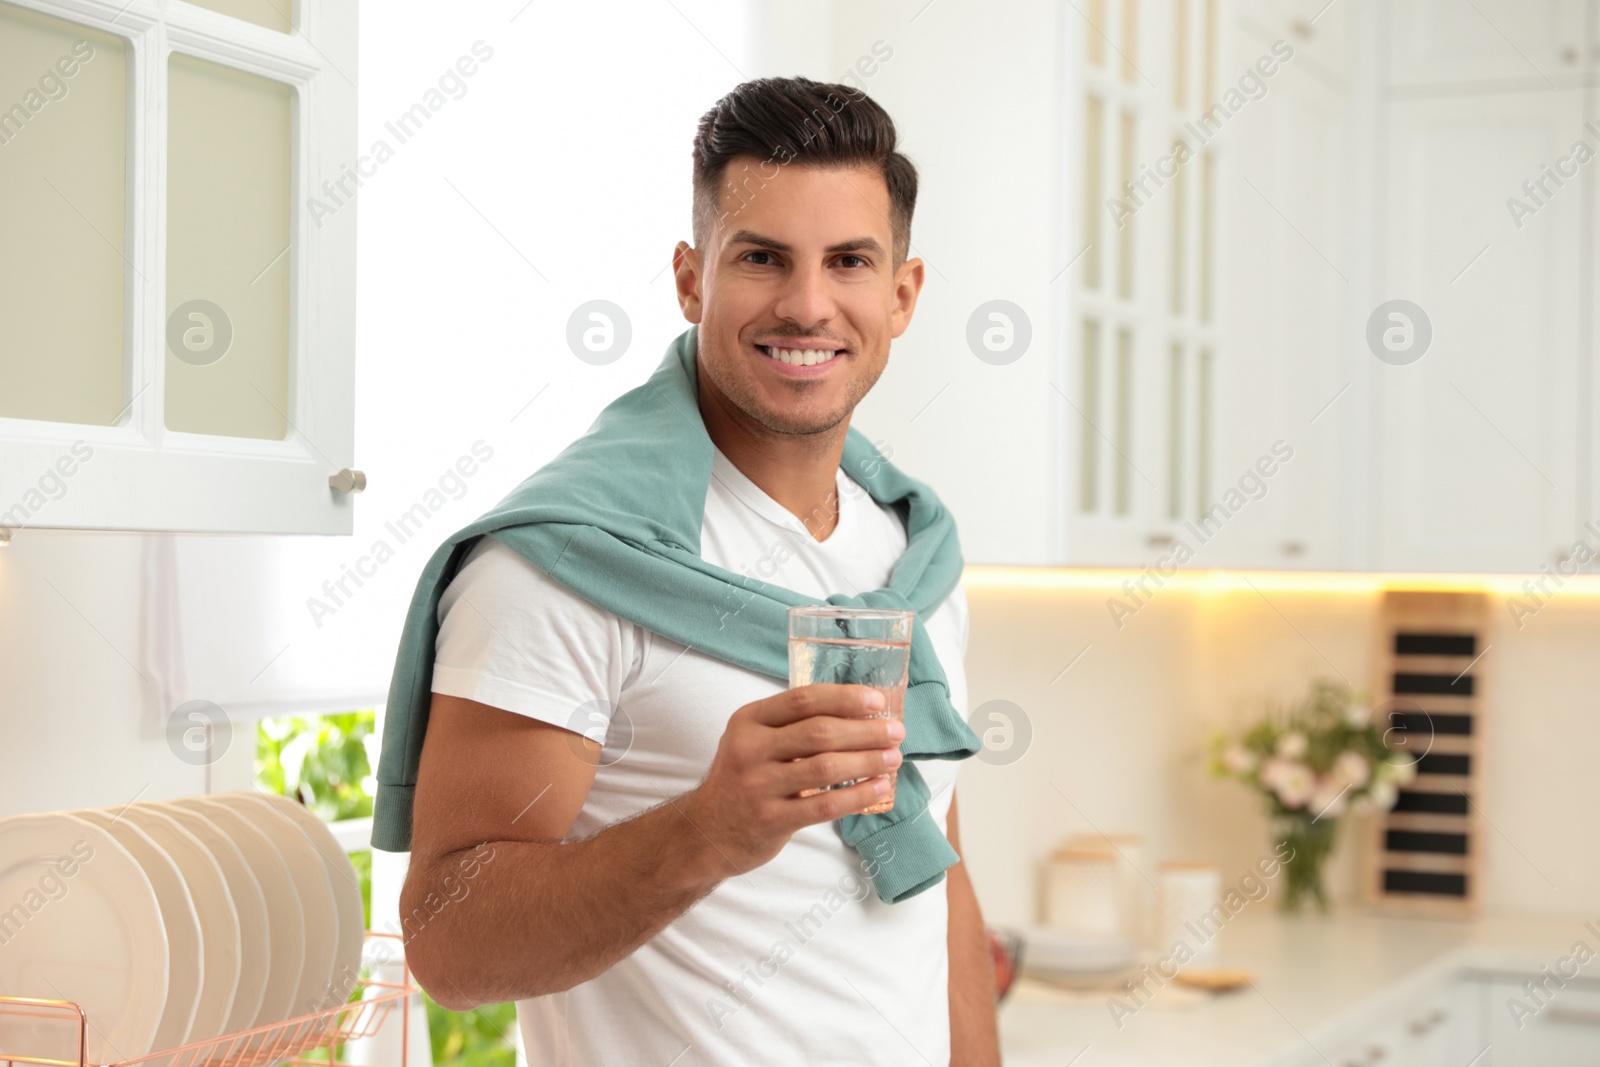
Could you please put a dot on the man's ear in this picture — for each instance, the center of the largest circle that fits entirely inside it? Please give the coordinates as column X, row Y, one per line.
column 687, row 271
column 907, row 287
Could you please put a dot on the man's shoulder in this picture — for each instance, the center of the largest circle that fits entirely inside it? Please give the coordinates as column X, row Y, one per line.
column 500, row 583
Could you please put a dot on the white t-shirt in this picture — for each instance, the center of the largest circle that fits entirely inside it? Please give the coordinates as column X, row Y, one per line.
column 797, row 961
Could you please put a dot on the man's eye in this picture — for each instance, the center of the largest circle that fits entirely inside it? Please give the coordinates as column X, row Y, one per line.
column 852, row 261
column 761, row 262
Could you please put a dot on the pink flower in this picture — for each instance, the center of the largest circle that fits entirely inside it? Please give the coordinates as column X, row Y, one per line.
column 1293, row 782
column 1238, row 759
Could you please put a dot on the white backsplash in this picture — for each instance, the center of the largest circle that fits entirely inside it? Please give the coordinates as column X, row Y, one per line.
column 1119, row 738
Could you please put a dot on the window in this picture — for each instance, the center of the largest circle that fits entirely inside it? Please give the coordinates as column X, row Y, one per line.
column 326, row 762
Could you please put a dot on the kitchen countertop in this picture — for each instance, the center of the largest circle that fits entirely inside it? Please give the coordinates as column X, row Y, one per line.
column 1314, row 976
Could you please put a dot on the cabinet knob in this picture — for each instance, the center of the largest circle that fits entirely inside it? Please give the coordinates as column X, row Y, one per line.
column 1294, row 548
column 1159, row 540
column 347, row 481
column 1570, row 56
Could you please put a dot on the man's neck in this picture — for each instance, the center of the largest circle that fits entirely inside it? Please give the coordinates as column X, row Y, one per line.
column 799, row 471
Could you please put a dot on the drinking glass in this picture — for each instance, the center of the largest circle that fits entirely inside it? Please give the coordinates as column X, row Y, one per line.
column 853, row 646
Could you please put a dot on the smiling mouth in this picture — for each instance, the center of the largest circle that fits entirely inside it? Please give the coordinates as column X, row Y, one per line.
column 800, row 357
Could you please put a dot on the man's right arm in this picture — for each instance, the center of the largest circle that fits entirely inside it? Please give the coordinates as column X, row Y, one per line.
column 538, row 916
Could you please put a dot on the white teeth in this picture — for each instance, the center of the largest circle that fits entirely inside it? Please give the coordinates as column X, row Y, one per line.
column 800, row 357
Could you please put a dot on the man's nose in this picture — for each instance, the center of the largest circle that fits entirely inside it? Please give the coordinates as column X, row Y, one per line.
column 807, row 297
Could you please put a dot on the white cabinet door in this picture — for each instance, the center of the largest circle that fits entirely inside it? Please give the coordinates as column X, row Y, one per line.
column 1485, row 44
column 1475, row 454
column 178, row 347
column 1562, row 1031
column 1287, row 261
column 1439, row 1028
column 1443, row 1029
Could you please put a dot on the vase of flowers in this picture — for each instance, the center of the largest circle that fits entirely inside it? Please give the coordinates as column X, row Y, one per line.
column 1310, row 764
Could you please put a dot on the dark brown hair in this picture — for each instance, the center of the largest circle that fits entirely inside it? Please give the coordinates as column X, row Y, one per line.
column 796, row 120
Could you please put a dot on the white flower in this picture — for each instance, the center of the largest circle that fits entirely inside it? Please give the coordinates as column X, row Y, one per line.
column 1238, row 759
column 1295, row 783
column 1383, row 795
column 1357, row 715
column 1328, row 797
column 1292, row 745
column 1352, row 769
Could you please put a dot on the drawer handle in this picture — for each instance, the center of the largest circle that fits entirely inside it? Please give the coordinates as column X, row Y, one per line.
column 1559, row 1014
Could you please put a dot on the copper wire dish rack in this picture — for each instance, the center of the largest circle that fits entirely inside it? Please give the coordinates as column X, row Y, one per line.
column 291, row 1041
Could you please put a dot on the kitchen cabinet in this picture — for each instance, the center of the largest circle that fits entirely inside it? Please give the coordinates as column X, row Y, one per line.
column 1436, row 1028
column 1487, row 45
column 177, row 349
column 1478, row 459
column 1482, row 453
column 1144, row 336
column 1468, row 1019
column 1286, row 275
column 1562, row 1031
column 1441, row 177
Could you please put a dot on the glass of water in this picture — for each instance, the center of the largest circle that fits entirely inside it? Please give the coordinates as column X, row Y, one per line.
column 853, row 646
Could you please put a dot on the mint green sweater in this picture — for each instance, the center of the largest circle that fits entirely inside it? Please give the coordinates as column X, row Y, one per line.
column 616, row 518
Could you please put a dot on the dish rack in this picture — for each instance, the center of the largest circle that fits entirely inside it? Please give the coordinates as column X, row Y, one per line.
column 287, row 1042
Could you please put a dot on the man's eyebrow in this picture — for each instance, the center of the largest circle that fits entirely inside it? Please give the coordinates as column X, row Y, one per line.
column 750, row 237
column 860, row 244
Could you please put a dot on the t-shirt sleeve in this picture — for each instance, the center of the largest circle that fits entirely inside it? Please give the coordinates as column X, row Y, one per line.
column 512, row 637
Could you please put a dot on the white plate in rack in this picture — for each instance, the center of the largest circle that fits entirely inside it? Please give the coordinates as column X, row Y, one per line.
column 346, row 886
column 286, row 923
column 213, row 906
column 186, row 964
column 250, row 906
column 79, row 921
column 311, row 882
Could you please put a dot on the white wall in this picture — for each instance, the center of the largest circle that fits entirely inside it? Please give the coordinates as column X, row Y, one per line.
column 1122, row 733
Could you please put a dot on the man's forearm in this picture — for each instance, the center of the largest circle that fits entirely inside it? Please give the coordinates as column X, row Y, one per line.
column 542, row 917
column 974, row 1032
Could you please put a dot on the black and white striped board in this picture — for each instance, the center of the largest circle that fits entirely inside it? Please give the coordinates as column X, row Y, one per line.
column 1429, row 697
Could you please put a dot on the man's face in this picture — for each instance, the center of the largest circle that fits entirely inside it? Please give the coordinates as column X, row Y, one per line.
column 797, row 261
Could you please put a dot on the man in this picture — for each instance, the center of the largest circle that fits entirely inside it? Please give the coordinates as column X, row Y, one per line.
column 668, row 897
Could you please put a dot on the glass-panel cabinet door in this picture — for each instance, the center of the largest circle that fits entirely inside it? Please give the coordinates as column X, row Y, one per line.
column 177, row 338
column 273, row 14
column 228, row 224
column 64, row 265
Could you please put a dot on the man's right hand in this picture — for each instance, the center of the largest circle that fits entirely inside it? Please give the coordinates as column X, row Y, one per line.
column 805, row 738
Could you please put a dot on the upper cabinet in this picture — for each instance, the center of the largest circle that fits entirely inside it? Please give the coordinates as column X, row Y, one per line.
column 1325, row 294
column 177, row 345
column 1480, row 452
column 1487, row 45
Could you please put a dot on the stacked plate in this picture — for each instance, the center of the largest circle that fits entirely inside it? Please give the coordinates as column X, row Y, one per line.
column 173, row 923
